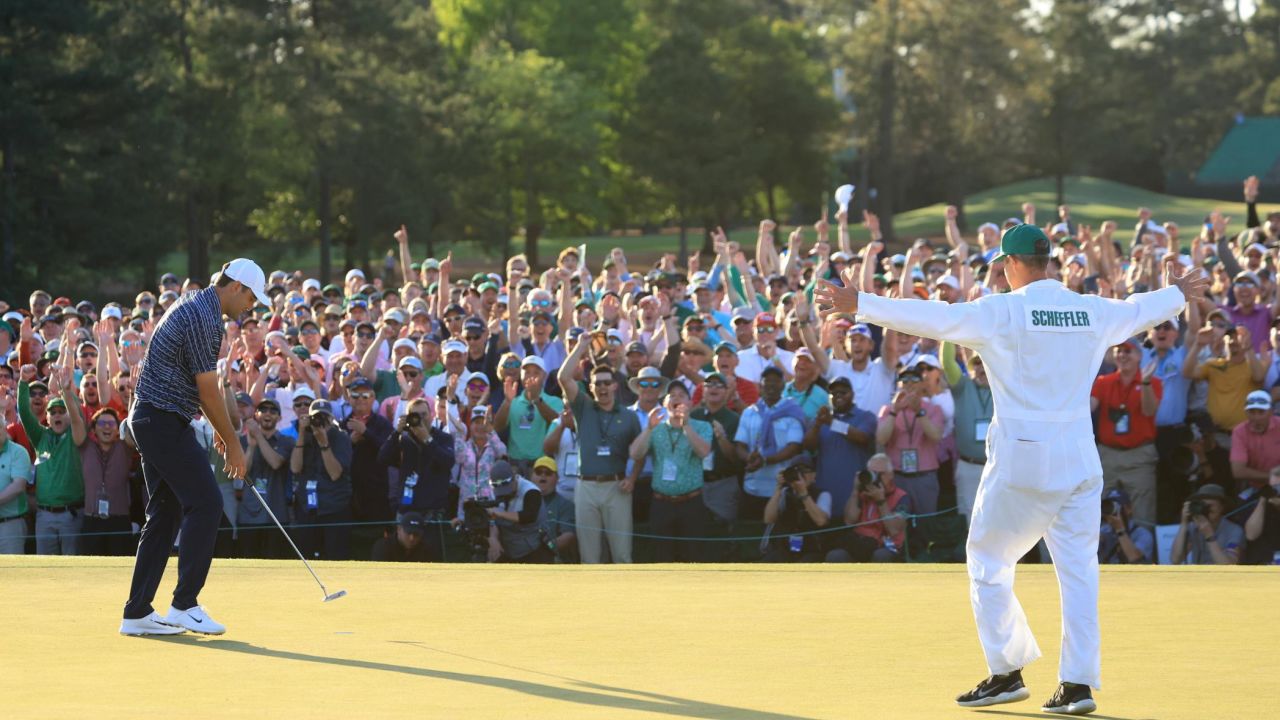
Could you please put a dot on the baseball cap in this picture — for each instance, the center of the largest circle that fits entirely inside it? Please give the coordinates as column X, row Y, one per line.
column 431, row 264
column 262, row 403
column 1023, row 239
column 311, row 284
column 395, row 315
column 771, row 370
column 304, row 391
column 453, row 346
column 860, row 329
column 1258, row 400
column 248, row 273
column 547, row 463
column 167, row 278
column 403, row 343
column 56, row 402
column 1118, row 494
column 1246, row 277
column 803, row 352
column 411, row 361
column 432, row 338
column 473, row 324
column 927, row 360
column 743, row 313
column 354, row 273
column 950, row 281
column 360, row 383
column 112, row 311
column 500, row 473
column 320, row 406
column 534, row 361
column 637, row 347
column 1211, row 490
column 413, row 523
column 766, row 319
column 726, row 345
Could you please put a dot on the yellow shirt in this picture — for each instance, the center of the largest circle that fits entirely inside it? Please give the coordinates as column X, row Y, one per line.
column 1229, row 385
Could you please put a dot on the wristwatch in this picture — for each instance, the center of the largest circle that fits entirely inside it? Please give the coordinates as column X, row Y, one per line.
column 920, row 413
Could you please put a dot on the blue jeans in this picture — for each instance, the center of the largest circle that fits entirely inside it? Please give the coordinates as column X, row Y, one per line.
column 181, row 494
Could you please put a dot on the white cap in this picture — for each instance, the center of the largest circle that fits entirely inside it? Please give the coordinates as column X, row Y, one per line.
column 355, row 272
column 1262, row 249
column 1060, row 228
column 989, row 226
column 950, row 281
column 1258, row 400
column 304, row 391
column 395, row 314
column 929, row 360
column 311, row 284
column 247, row 273
column 411, row 361
column 110, row 311
column 404, row 343
column 1153, row 226
column 454, row 346
column 535, row 361
column 14, row 315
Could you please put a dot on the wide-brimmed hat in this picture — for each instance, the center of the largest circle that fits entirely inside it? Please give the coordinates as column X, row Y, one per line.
column 648, row 373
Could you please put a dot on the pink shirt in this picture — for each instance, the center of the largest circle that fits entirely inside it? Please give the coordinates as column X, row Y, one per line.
column 1258, row 451
column 908, row 434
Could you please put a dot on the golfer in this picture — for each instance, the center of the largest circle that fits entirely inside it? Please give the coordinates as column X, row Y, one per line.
column 1042, row 345
column 179, row 379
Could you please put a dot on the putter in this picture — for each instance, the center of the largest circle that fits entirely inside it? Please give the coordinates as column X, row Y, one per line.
column 327, row 595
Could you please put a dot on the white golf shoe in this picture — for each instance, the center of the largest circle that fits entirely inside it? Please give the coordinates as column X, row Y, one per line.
column 152, row 624
column 194, row 619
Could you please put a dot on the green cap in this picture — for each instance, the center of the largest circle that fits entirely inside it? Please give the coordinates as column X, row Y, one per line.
column 56, row 402
column 301, row 352
column 1024, row 239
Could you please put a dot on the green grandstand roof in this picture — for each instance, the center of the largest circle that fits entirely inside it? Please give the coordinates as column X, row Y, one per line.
column 1251, row 147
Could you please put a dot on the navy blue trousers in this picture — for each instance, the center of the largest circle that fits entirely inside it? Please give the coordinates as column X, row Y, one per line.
column 182, row 494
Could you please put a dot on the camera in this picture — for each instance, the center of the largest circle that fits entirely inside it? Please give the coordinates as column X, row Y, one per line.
column 413, row 420
column 475, row 526
column 1266, row 492
column 1198, row 507
column 319, row 421
column 1110, row 507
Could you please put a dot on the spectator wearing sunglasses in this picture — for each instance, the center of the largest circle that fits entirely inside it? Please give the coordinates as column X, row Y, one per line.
column 1166, row 352
column 59, row 479
column 368, row 431
column 1126, row 402
column 526, row 414
column 421, row 456
column 482, row 348
column 267, row 454
column 410, row 382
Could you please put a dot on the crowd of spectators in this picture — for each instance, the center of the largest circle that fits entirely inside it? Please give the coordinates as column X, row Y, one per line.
column 551, row 416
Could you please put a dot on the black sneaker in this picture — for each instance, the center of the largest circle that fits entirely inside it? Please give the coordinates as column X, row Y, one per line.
column 995, row 690
column 1071, row 699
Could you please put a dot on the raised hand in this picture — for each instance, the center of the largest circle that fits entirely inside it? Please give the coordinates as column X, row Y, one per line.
column 1251, row 189
column 446, row 265
column 952, row 212
column 402, row 235
column 833, row 299
column 510, row 388
column 767, row 226
column 655, row 417
column 1192, row 283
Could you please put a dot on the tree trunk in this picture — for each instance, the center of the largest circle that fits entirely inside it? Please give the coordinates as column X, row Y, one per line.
column 532, row 233
column 10, row 209
column 197, row 241
column 885, row 176
column 773, row 206
column 326, row 233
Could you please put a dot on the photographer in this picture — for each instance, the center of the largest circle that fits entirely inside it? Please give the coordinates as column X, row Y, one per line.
column 1214, row 541
column 320, row 462
column 516, row 532
column 423, row 457
column 877, row 511
column 1120, row 540
column 793, row 509
column 406, row 545
column 1262, row 529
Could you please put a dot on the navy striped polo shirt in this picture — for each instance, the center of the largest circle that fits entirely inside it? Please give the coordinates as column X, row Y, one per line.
column 185, row 343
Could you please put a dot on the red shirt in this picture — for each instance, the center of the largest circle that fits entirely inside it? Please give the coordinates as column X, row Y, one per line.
column 748, row 395
column 115, row 404
column 1115, row 397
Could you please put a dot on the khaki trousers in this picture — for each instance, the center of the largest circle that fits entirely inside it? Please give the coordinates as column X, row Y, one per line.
column 603, row 514
column 1133, row 471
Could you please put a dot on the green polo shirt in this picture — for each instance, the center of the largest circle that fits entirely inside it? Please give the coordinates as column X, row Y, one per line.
column 59, row 480
column 527, row 426
column 15, row 464
column 597, row 429
column 671, row 448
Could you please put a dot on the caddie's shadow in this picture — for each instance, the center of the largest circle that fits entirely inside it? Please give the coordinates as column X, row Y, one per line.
column 586, row 693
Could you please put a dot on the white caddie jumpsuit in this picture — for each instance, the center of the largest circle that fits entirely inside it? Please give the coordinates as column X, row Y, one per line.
column 1042, row 345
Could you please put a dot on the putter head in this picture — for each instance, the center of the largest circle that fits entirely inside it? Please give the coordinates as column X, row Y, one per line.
column 334, row 596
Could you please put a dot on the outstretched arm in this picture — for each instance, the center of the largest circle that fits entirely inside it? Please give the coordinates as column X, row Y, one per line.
column 969, row 324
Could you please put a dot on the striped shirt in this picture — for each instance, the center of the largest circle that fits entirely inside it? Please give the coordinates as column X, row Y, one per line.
column 185, row 344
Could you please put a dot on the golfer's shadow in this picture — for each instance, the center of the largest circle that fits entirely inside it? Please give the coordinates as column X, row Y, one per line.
column 587, row 693
column 1040, row 715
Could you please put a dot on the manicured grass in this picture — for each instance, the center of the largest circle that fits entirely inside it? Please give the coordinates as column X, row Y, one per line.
column 1092, row 201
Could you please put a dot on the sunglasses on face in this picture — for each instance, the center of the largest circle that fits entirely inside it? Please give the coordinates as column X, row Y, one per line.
column 410, row 374
column 311, row 331
column 88, row 355
column 1164, row 326
column 366, row 335
column 361, row 396
column 39, row 393
column 540, row 303
column 646, row 383
column 511, row 365
column 302, row 404
column 268, row 411
column 56, row 411
column 472, row 338
column 541, row 322
column 695, row 328
column 602, row 382
column 478, row 386
column 716, row 386
column 105, row 423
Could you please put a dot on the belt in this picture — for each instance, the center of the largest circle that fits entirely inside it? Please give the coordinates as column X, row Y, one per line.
column 715, row 478
column 60, row 508
column 601, row 478
column 15, row 517
column 972, row 461
column 677, row 498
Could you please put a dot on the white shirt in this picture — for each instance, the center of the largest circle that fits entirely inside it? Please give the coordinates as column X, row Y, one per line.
column 785, row 431
column 751, row 364
column 872, row 386
column 1042, row 345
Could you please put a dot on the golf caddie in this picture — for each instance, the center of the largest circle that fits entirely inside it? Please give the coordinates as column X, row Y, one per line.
column 178, row 380
column 1042, row 345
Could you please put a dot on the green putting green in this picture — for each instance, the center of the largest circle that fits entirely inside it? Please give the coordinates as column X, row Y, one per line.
column 749, row 642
